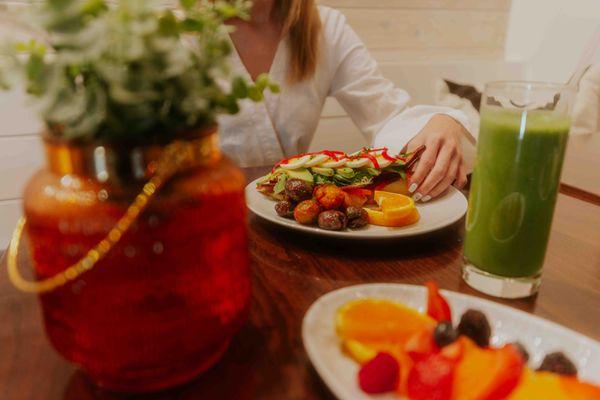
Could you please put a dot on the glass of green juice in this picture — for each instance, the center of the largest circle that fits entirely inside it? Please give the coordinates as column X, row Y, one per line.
column 520, row 150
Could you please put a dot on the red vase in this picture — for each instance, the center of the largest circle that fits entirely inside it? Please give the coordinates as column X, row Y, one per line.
column 165, row 302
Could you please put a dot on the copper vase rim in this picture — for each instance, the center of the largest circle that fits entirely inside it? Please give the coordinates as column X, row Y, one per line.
column 106, row 161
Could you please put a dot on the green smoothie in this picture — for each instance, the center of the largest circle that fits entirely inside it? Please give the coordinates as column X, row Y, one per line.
column 513, row 190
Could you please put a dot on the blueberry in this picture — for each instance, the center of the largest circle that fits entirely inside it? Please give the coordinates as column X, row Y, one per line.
column 558, row 363
column 475, row 325
column 444, row 334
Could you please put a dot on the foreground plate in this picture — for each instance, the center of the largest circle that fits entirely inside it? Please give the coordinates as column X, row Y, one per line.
column 435, row 215
column 539, row 336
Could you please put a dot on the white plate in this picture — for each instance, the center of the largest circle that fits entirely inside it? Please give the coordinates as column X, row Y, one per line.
column 538, row 335
column 435, row 214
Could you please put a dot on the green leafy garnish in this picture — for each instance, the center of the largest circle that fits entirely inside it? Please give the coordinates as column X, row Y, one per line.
column 131, row 71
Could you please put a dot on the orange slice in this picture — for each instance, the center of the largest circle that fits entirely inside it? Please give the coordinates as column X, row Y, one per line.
column 371, row 320
column 394, row 205
column 379, row 217
column 361, row 352
column 549, row 386
column 486, row 373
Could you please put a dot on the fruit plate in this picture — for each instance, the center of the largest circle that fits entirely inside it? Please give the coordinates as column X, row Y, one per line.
column 539, row 336
column 435, row 214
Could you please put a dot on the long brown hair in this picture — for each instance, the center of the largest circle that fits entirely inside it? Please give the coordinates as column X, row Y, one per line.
column 302, row 24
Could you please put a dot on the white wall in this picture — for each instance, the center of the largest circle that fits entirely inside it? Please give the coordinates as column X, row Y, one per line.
column 550, row 35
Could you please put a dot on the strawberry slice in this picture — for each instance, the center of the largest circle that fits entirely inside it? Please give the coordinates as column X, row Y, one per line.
column 437, row 306
column 431, row 378
column 421, row 345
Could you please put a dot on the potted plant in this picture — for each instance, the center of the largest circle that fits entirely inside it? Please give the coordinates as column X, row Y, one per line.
column 136, row 225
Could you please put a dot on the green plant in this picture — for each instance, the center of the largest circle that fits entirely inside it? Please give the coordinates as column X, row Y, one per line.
column 131, row 71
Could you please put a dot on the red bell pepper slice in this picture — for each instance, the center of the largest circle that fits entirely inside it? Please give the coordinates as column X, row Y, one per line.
column 437, row 306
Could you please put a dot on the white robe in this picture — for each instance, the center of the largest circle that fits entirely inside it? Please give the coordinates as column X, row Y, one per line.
column 284, row 124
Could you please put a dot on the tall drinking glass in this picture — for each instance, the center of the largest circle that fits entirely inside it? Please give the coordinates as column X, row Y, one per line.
column 522, row 139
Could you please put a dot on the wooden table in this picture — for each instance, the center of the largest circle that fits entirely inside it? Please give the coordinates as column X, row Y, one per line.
column 266, row 359
column 582, row 164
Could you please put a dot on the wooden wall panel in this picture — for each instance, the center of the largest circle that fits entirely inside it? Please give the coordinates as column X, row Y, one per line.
column 428, row 29
column 502, row 5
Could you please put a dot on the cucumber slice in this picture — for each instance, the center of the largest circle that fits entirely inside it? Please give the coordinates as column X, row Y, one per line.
column 347, row 173
column 323, row 171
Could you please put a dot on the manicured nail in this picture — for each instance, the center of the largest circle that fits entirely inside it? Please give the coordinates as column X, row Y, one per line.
column 417, row 196
column 412, row 188
column 426, row 199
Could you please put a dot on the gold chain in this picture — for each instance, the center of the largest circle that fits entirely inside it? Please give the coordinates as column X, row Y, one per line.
column 176, row 157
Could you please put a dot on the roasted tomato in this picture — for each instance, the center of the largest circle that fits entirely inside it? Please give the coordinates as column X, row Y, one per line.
column 307, row 212
column 329, row 196
column 356, row 197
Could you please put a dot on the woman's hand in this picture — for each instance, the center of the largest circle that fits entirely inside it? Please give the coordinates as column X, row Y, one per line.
column 441, row 164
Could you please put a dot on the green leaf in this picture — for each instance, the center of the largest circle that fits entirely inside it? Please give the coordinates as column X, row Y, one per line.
column 262, row 81
column 226, row 10
column 255, row 94
column 192, row 25
column 239, row 88
column 187, row 4
column 35, row 66
column 93, row 7
column 168, row 24
column 274, row 88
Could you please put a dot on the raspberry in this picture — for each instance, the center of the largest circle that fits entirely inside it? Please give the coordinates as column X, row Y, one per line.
column 379, row 375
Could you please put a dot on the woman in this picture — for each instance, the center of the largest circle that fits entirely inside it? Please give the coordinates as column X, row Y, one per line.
column 313, row 53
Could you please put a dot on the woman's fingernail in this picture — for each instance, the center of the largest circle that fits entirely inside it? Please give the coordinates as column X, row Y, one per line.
column 426, row 199
column 417, row 196
column 412, row 188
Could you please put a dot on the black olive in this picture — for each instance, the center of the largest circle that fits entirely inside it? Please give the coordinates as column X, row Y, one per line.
column 558, row 363
column 298, row 190
column 522, row 350
column 357, row 217
column 285, row 208
column 475, row 325
column 333, row 220
column 444, row 334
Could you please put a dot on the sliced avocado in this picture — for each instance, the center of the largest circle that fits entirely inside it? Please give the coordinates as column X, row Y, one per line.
column 323, row 171
column 300, row 173
column 280, row 185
